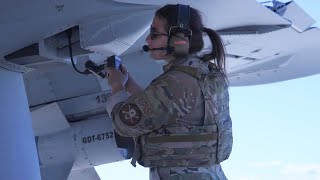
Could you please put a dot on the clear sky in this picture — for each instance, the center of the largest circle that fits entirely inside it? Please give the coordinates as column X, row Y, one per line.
column 276, row 129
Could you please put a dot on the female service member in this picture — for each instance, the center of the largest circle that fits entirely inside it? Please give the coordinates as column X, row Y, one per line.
column 180, row 122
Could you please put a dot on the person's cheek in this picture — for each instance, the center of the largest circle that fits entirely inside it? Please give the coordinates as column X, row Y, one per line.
column 154, row 54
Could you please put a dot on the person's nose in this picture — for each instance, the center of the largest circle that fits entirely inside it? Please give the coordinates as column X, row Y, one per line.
column 148, row 39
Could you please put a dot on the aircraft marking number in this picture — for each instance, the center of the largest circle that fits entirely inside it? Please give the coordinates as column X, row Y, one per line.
column 102, row 98
column 97, row 137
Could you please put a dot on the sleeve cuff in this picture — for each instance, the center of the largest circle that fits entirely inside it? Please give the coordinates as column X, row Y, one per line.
column 115, row 99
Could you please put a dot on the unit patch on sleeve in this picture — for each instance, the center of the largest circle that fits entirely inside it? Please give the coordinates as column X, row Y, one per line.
column 144, row 104
column 130, row 114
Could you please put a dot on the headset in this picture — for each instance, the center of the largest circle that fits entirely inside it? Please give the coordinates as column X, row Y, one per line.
column 180, row 35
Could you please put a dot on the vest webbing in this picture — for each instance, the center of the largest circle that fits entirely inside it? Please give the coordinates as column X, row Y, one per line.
column 201, row 78
column 181, row 138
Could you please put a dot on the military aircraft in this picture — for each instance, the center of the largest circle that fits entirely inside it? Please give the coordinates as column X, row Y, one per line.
column 54, row 123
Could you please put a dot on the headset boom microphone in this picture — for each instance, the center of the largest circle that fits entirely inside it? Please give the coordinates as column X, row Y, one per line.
column 146, row 49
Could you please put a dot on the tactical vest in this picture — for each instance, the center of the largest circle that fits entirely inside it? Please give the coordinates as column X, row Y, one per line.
column 195, row 146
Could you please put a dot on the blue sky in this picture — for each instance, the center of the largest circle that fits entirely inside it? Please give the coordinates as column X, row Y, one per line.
column 276, row 130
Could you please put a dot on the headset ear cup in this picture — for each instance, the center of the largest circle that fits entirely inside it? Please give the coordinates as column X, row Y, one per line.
column 180, row 44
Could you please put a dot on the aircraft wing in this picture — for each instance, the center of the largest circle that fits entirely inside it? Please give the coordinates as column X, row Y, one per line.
column 264, row 44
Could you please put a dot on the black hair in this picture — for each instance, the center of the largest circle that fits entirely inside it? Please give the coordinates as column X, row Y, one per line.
column 169, row 14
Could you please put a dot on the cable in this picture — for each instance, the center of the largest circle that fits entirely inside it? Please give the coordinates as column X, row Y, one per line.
column 69, row 35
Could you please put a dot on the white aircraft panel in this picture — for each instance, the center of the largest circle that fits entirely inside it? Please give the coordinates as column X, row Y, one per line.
column 220, row 14
column 18, row 152
column 54, row 81
column 241, row 48
column 304, row 62
column 55, row 153
column 260, row 65
column 298, row 57
column 13, row 67
column 35, row 20
column 38, row 88
column 48, row 119
column 113, row 35
column 56, row 171
column 94, row 143
column 233, row 62
column 298, row 17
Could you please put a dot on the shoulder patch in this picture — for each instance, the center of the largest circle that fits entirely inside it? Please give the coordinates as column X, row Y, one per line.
column 130, row 114
column 144, row 105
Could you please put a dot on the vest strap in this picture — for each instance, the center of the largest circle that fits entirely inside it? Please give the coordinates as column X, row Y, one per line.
column 186, row 162
column 152, row 153
column 188, row 70
column 192, row 176
column 181, row 138
column 137, row 151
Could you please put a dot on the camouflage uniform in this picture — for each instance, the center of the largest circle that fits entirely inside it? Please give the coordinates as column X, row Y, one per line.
column 180, row 122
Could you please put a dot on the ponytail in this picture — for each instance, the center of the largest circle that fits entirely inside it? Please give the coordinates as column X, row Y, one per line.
column 218, row 53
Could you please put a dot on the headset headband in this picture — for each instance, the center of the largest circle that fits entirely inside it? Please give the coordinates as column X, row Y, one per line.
column 180, row 35
column 183, row 16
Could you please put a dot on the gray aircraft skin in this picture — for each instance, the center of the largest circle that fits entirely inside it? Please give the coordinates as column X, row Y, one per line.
column 54, row 124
